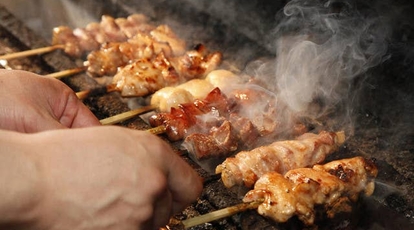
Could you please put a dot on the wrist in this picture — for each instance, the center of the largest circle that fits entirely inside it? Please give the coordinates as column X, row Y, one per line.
column 21, row 185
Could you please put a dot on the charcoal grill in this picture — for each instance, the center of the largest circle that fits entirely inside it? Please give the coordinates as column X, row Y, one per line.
column 241, row 39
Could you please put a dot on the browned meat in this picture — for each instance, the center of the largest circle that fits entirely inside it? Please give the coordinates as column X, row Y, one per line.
column 112, row 56
column 247, row 133
column 300, row 190
column 169, row 73
column 106, row 60
column 64, row 35
column 258, row 106
column 196, row 63
column 109, row 30
column 220, row 137
column 280, row 156
column 134, row 24
column 169, row 97
column 82, row 40
column 164, row 34
column 218, row 142
column 183, row 117
column 139, row 79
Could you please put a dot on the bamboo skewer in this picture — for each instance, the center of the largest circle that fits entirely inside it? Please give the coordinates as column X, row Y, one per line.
column 130, row 114
column 31, row 52
column 106, row 89
column 127, row 115
column 83, row 94
column 219, row 214
column 67, row 72
column 157, row 130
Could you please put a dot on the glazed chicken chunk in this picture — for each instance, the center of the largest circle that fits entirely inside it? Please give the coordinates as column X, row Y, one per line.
column 299, row 191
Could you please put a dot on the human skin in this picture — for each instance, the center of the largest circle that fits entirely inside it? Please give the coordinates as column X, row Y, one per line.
column 32, row 103
column 91, row 178
column 60, row 169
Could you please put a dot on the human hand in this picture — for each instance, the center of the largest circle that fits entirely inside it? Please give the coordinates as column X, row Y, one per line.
column 32, row 103
column 103, row 178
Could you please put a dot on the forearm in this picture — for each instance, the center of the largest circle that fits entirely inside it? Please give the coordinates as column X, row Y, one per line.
column 20, row 183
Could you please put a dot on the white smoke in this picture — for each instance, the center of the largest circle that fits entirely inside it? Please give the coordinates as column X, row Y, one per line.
column 321, row 47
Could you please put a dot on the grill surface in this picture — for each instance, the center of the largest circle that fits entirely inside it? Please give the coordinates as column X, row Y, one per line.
column 375, row 135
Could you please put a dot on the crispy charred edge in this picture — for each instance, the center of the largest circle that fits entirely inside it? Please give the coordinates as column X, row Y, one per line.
column 346, row 174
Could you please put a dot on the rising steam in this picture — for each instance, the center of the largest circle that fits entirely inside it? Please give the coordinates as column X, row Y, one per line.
column 321, row 47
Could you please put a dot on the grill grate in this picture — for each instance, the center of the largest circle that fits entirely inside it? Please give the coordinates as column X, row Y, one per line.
column 394, row 156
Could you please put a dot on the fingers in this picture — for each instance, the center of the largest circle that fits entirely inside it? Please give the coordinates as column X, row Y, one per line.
column 163, row 209
column 158, row 183
column 77, row 115
column 184, row 183
column 66, row 106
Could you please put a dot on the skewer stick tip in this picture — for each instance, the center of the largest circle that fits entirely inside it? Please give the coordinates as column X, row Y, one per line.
column 83, row 94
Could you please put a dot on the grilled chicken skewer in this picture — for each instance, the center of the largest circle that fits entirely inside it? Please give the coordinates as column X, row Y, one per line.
column 146, row 76
column 112, row 55
column 79, row 41
column 334, row 186
column 280, row 156
column 172, row 96
column 169, row 97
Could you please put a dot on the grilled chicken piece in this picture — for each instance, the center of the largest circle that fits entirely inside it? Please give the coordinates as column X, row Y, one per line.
column 106, row 60
column 134, row 24
column 180, row 119
column 299, row 191
column 196, row 63
column 308, row 149
column 166, row 76
column 264, row 115
column 187, row 92
column 64, row 35
column 82, row 40
column 215, row 143
column 114, row 55
column 170, row 97
column 138, row 79
column 223, row 79
column 109, row 31
column 164, row 34
column 199, row 88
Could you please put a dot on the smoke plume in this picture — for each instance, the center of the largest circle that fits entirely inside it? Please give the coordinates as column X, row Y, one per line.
column 321, row 48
